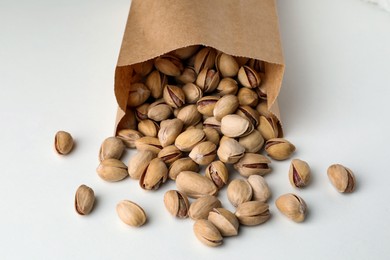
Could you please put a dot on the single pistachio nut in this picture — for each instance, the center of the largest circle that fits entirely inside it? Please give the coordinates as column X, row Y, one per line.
column 226, row 65
column 292, row 206
column 201, row 207
column 252, row 213
column 212, row 135
column 207, row 80
column 128, row 121
column 138, row 94
column 169, row 65
column 205, row 58
column 141, row 112
column 262, row 108
column 206, row 105
column 250, row 114
column 227, row 86
column 230, row 151
column 143, row 68
column 169, row 154
column 112, row 170
column 253, row 164
column 187, row 76
column 159, row 110
column 155, row 83
column 155, row 174
column 131, row 213
column 260, row 188
column 129, row 136
column 63, row 142
column 180, row 165
column 279, row 148
column 169, row 131
column 189, row 139
column 239, row 191
column 261, row 92
column 248, row 77
column 192, row 93
column 217, row 173
column 148, row 143
column 195, row 185
column 247, row 97
column 235, row 126
column 174, row 96
column 148, row 127
column 342, row 178
column 185, row 52
column 203, row 153
column 212, row 122
column 226, row 105
column 189, row 115
column 84, row 200
column 176, row 203
column 252, row 142
column 207, row 233
column 299, row 173
column 268, row 127
column 225, row 221
column 139, row 162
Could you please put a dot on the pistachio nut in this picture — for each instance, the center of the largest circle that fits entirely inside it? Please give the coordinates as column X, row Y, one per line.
column 189, row 115
column 185, row 52
column 131, row 213
column 112, row 170
column 250, row 114
column 230, row 151
column 226, row 105
column 226, row 65
column 261, row 92
column 138, row 94
column 180, row 165
column 248, row 77
column 247, row 97
column 235, row 126
column 195, row 185
column 299, row 173
column 342, row 178
column 203, row 153
column 207, row 80
column 206, row 105
column 169, row 154
column 207, row 233
column 143, row 68
column 129, row 136
column 227, row 86
column 201, row 207
column 268, row 127
column 292, row 206
column 128, row 121
column 262, row 108
column 169, row 65
column 84, row 200
column 169, row 130
column 192, row 93
column 252, row 213
column 205, row 58
column 189, row 138
column 187, row 76
column 155, row 174
column 63, row 142
column 260, row 189
column 212, row 122
column 148, row 143
column 174, row 96
column 139, row 162
column 148, row 127
column 239, row 191
column 217, row 173
column 224, row 138
column 176, row 203
column 212, row 135
column 253, row 163
column 141, row 112
column 252, row 142
column 225, row 221
column 279, row 148
column 159, row 110
column 155, row 83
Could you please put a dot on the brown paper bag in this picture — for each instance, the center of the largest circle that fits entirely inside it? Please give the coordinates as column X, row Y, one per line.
column 246, row 28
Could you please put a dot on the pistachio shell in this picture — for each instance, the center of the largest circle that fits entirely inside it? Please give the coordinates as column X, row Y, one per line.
column 143, row 68
column 342, row 178
column 226, row 65
column 239, row 191
column 299, row 173
column 248, row 77
column 279, row 148
column 169, row 130
column 217, row 173
column 148, row 127
column 253, row 163
column 174, row 96
column 169, row 65
column 203, row 153
column 148, row 144
column 227, row 86
column 156, row 173
column 292, row 206
column 201, row 207
column 207, row 233
column 112, row 170
column 138, row 94
column 84, row 200
column 131, row 213
column 247, row 97
column 169, row 154
column 176, row 203
column 155, row 83
column 159, row 110
column 212, row 122
column 189, row 138
column 225, row 221
column 207, row 80
column 180, row 165
column 141, row 112
column 185, row 52
column 212, row 135
column 250, row 114
column 206, row 105
column 187, row 76
column 235, row 126
column 262, row 108
column 189, row 115
column 192, row 93
column 225, row 105
column 252, row 213
column 129, row 136
column 252, row 142
column 139, row 162
column 205, row 58
column 195, row 185
column 268, row 127
column 230, row 151
column 260, row 189
column 63, row 142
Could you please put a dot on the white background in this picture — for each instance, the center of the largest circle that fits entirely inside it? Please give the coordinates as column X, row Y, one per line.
column 57, row 61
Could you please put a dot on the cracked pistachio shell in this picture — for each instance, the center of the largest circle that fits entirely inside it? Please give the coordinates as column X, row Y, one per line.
column 189, row 115
column 230, row 151
column 248, row 77
column 130, row 213
column 112, row 170
column 185, row 52
column 292, row 206
column 141, row 112
column 176, row 203
column 192, row 93
column 252, row 213
column 63, row 142
column 250, row 114
column 227, row 86
column 342, row 178
column 187, row 76
column 148, row 127
column 212, row 135
column 139, row 162
column 156, row 174
column 195, row 185
column 226, row 65
column 268, row 127
column 247, row 97
column 169, row 65
column 201, row 207
column 252, row 142
column 212, row 122
column 225, row 221
column 138, row 94
column 260, row 189
column 84, row 200
column 143, row 68
column 205, row 58
column 189, row 139
column 226, row 105
column 235, row 126
column 169, row 154
column 279, row 148
column 174, row 96
column 206, row 105
column 207, row 233
column 180, row 165
column 155, row 83
column 299, row 173
column 261, row 92
column 129, row 136
column 253, row 164
column 207, row 80
column 159, row 110
column 128, row 121
column 169, row 131
column 217, row 173
column 239, row 191
column 148, row 143
column 203, row 153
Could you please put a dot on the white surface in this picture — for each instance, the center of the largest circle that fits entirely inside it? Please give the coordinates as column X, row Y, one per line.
column 57, row 64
